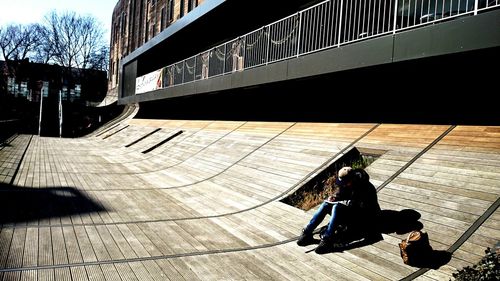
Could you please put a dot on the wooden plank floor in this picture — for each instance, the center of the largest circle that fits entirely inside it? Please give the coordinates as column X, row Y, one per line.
column 205, row 205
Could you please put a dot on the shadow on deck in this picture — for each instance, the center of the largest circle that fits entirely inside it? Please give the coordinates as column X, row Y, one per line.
column 28, row 204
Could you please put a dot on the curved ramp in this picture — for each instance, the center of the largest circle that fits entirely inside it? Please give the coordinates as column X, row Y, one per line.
column 205, row 206
column 129, row 111
column 110, row 98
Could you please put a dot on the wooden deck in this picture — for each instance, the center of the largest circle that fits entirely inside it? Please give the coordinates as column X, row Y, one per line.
column 205, row 205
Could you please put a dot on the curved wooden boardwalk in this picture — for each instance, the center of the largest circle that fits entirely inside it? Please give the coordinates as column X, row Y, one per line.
column 205, row 205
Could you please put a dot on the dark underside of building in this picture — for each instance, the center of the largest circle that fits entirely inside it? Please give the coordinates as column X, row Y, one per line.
column 451, row 89
column 445, row 73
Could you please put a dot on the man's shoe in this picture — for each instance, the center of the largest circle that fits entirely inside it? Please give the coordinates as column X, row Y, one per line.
column 324, row 246
column 373, row 238
column 330, row 244
column 305, row 239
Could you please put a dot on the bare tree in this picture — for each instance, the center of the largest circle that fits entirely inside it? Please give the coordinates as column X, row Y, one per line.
column 76, row 43
column 70, row 40
column 10, row 40
column 31, row 39
column 74, row 39
column 100, row 59
column 44, row 52
column 19, row 42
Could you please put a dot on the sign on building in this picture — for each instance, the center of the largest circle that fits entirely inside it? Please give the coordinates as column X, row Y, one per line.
column 149, row 82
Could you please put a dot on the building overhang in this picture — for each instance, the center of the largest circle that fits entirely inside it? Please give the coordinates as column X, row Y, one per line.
column 209, row 24
column 159, row 41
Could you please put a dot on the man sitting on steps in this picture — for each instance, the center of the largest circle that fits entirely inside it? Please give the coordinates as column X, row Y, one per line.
column 353, row 205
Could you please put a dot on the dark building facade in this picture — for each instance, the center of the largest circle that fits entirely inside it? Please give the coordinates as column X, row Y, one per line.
column 297, row 60
column 31, row 80
column 30, row 89
column 135, row 22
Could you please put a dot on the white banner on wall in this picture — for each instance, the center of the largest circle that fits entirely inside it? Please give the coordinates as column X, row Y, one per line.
column 149, row 82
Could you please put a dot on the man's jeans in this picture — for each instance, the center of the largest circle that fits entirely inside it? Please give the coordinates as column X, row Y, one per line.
column 338, row 213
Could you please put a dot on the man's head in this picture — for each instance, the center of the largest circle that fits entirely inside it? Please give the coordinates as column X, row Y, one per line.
column 344, row 177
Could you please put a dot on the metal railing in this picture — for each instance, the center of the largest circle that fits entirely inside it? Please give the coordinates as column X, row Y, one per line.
column 328, row 24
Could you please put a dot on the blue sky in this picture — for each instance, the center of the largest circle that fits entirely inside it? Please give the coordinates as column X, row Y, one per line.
column 33, row 11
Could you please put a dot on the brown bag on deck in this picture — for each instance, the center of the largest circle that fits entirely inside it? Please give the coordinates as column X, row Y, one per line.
column 415, row 247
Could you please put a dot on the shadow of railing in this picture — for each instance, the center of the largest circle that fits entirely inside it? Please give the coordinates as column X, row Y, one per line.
column 18, row 204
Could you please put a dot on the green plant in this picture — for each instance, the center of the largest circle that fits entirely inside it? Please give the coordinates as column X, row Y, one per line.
column 363, row 162
column 485, row 270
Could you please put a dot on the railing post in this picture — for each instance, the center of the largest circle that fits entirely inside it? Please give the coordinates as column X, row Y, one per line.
column 208, row 65
column 40, row 114
column 268, row 42
column 300, row 33
column 340, row 21
column 243, row 54
column 395, row 17
column 476, row 6
column 224, row 61
column 183, row 70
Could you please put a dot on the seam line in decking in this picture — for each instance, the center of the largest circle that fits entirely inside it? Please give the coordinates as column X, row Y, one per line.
column 233, row 164
column 415, row 274
column 143, row 137
column 20, row 162
column 227, row 168
column 466, row 235
column 145, row 158
column 169, row 138
column 129, row 110
column 141, row 259
column 107, row 130
column 321, row 167
column 416, row 157
column 114, row 133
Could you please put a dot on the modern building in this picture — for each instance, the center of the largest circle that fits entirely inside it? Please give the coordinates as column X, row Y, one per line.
column 377, row 60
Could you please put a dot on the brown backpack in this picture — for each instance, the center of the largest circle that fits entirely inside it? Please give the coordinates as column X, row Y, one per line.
column 415, row 248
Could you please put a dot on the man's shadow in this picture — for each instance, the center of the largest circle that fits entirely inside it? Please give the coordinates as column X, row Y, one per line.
column 389, row 221
column 399, row 222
